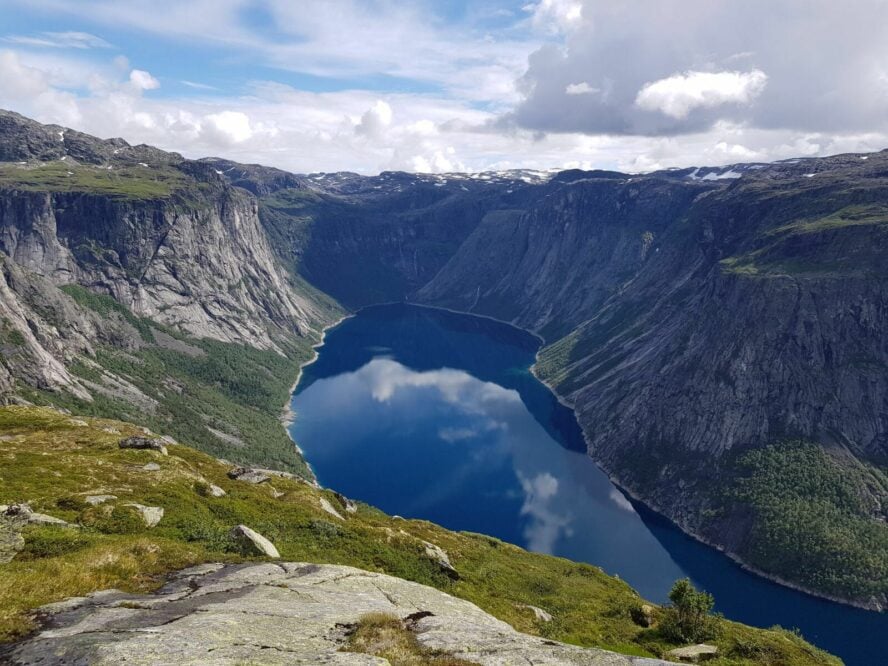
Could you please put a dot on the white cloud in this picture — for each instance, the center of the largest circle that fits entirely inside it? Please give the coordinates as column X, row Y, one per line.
column 375, row 120
column 227, row 127
column 59, row 40
column 142, row 80
column 582, row 88
column 679, row 94
column 555, row 15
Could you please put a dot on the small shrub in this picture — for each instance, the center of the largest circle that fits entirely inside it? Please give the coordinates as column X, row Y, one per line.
column 119, row 520
column 51, row 541
column 688, row 619
column 212, row 535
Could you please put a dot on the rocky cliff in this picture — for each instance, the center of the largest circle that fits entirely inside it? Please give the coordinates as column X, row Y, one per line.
column 110, row 252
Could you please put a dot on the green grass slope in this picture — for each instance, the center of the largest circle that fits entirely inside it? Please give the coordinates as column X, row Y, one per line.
column 53, row 461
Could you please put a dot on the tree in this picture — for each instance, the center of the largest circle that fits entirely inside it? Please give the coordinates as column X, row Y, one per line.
column 688, row 618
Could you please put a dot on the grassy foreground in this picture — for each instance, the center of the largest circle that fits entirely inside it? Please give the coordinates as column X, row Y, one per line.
column 53, row 461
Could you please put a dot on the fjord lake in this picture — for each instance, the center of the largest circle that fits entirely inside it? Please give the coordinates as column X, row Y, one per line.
column 430, row 414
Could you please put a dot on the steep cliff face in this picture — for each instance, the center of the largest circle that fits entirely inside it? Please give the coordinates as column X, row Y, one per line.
column 753, row 320
column 552, row 266
column 138, row 284
column 366, row 240
column 200, row 264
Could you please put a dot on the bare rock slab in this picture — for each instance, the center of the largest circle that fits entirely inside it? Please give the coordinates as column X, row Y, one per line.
column 276, row 614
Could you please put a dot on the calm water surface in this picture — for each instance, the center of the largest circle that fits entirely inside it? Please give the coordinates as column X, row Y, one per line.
column 434, row 415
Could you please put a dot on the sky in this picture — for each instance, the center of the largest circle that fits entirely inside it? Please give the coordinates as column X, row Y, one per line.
column 438, row 86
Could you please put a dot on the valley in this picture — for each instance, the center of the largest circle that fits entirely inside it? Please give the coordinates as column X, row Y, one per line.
column 712, row 335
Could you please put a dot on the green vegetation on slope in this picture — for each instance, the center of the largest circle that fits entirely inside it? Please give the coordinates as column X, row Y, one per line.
column 53, row 462
column 130, row 182
column 820, row 518
column 808, row 246
column 224, row 398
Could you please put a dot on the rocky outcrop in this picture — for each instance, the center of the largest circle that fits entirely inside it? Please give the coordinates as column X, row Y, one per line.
column 143, row 443
column 279, row 614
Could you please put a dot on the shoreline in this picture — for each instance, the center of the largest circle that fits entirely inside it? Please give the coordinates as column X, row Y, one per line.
column 288, row 416
column 734, row 557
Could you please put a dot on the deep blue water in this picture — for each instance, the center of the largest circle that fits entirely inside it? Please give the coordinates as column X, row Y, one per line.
column 434, row 415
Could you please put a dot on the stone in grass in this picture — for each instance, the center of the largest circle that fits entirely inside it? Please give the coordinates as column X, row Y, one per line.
column 152, row 467
column 95, row 500
column 143, row 443
column 254, row 541
column 215, row 491
column 248, row 475
column 151, row 515
column 694, row 653
column 439, row 556
column 329, row 508
column 21, row 514
column 538, row 613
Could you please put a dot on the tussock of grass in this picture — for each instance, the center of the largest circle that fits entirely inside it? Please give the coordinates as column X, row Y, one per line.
column 53, row 462
column 385, row 635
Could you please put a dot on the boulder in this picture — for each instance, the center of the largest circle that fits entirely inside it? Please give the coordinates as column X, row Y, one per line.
column 215, row 491
column 643, row 615
column 150, row 514
column 143, row 443
column 326, row 506
column 152, row 467
column 440, row 557
column 254, row 541
column 19, row 515
column 693, row 653
column 248, row 475
column 349, row 505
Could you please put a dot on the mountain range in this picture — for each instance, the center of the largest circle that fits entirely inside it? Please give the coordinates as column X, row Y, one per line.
column 719, row 332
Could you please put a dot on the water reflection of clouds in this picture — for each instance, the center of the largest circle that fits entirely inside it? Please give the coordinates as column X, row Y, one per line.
column 620, row 500
column 385, row 377
column 499, row 423
column 448, row 446
column 494, row 427
column 546, row 525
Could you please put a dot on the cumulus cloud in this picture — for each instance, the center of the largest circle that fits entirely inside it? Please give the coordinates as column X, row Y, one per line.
column 679, row 94
column 142, row 80
column 683, row 66
column 555, row 15
column 227, row 127
column 375, row 120
column 546, row 524
column 564, row 83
